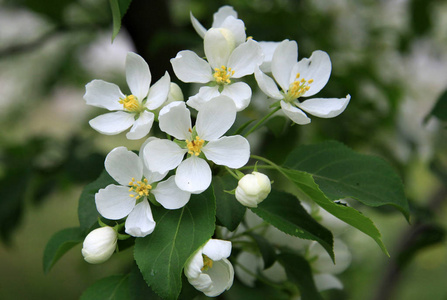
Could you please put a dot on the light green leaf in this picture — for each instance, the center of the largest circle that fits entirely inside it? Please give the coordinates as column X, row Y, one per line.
column 285, row 212
column 115, row 287
column 162, row 255
column 342, row 173
column 119, row 9
column 59, row 244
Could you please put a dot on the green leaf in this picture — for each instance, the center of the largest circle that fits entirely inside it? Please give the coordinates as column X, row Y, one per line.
column 342, row 173
column 299, row 272
column 229, row 211
column 59, row 244
column 266, row 249
column 138, row 287
column 440, row 109
column 240, row 291
column 87, row 213
column 162, row 255
column 285, row 212
column 115, row 287
column 119, row 9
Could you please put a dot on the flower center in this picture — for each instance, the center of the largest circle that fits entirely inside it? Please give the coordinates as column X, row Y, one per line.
column 207, row 263
column 142, row 188
column 298, row 87
column 222, row 75
column 130, row 103
column 195, row 146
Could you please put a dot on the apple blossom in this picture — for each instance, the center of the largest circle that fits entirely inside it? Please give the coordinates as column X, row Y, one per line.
column 252, row 189
column 99, row 245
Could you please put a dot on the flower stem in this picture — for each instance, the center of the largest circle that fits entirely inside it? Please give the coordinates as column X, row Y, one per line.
column 262, row 121
column 232, row 173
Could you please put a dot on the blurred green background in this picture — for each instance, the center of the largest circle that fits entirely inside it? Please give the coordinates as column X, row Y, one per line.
column 391, row 56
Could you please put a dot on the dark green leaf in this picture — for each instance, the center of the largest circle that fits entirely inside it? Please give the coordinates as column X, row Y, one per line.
column 162, row 255
column 285, row 212
column 342, row 173
column 267, row 251
column 138, row 287
column 119, row 9
column 53, row 9
column 440, row 108
column 240, row 291
column 299, row 272
column 229, row 211
column 59, row 244
column 115, row 287
column 87, row 213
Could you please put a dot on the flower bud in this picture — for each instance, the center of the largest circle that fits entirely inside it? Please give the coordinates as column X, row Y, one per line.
column 252, row 189
column 99, row 245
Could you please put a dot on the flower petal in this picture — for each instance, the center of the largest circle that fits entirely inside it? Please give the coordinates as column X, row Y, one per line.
column 193, row 175
column 158, row 93
column 175, row 120
column 240, row 93
column 140, row 222
column 197, row 26
column 318, row 67
column 222, row 275
column 220, row 16
column 295, row 114
column 103, row 94
column 169, row 195
column 230, row 151
column 123, row 165
column 162, row 155
column 114, row 202
column 189, row 67
column 142, row 126
column 236, row 27
column 217, row 249
column 205, row 94
column 138, row 75
column 325, row 107
column 245, row 58
column 112, row 123
column 218, row 45
column 215, row 118
column 149, row 175
column 284, row 58
column 325, row 282
column 267, row 85
column 268, row 48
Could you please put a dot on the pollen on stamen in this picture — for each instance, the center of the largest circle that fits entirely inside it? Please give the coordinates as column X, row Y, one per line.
column 130, row 103
column 195, row 146
column 222, row 75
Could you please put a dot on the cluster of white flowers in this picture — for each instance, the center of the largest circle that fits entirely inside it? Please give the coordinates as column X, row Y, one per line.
column 190, row 149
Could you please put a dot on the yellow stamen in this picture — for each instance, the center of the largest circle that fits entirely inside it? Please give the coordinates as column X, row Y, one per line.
column 130, row 103
column 142, row 188
column 222, row 75
column 207, row 263
column 298, row 87
column 195, row 146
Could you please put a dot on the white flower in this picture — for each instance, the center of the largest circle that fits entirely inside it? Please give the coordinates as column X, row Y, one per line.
column 129, row 198
column 209, row 270
column 225, row 62
column 99, row 245
column 128, row 110
column 300, row 79
column 203, row 140
column 252, row 189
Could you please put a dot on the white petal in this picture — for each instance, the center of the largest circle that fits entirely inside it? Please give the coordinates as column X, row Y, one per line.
column 193, row 175
column 138, row 76
column 169, row 195
column 325, row 107
column 237, row 29
column 245, row 58
column 217, row 249
column 284, row 58
column 240, row 93
column 158, row 93
column 318, row 67
column 114, row 202
column 140, row 222
column 268, row 48
column 218, row 46
column 220, row 16
column 326, row 282
column 194, row 265
column 112, row 123
column 197, row 26
column 215, row 118
column 123, row 165
column 103, row 94
column 175, row 120
column 189, row 67
column 142, row 126
column 205, row 94
column 267, row 85
column 222, row 275
column 162, row 155
column 150, row 176
column 294, row 113
column 230, row 151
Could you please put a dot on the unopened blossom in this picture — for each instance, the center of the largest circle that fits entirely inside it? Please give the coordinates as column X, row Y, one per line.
column 134, row 110
column 252, row 189
column 300, row 79
column 209, row 270
column 225, row 63
column 130, row 198
column 99, row 245
column 203, row 141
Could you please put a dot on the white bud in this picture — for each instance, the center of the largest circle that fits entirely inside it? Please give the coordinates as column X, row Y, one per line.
column 252, row 189
column 99, row 245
